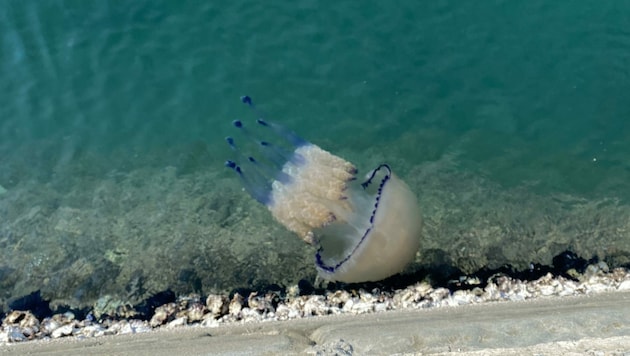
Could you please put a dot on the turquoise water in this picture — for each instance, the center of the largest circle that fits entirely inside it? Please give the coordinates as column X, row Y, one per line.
column 507, row 118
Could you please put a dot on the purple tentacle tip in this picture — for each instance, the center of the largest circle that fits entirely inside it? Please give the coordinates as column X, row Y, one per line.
column 246, row 100
column 262, row 122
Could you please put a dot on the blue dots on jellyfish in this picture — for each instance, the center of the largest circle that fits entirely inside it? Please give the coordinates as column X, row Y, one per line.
column 362, row 232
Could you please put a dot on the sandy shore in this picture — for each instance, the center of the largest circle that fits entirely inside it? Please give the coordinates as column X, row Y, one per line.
column 595, row 324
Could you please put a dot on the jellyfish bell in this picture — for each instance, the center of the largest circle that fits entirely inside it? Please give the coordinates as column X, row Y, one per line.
column 363, row 231
column 377, row 238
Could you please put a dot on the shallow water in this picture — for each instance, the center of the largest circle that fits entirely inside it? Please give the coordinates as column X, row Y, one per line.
column 508, row 120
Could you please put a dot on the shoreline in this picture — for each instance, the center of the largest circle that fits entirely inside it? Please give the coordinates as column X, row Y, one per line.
column 579, row 324
column 504, row 313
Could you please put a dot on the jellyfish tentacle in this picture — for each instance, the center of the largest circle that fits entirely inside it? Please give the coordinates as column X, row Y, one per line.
column 252, row 183
column 290, row 136
column 258, row 176
column 272, row 153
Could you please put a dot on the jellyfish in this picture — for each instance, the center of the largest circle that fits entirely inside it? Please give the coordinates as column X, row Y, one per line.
column 362, row 231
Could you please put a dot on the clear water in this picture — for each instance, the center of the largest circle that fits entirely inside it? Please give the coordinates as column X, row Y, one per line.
column 508, row 119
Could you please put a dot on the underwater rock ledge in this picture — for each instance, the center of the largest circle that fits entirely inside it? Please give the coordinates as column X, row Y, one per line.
column 131, row 234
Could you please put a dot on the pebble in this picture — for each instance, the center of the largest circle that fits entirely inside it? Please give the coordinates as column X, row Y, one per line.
column 62, row 331
column 217, row 310
column 250, row 315
column 12, row 334
column 195, row 312
column 625, row 285
column 315, row 305
column 181, row 321
column 91, row 331
column 360, row 307
column 210, row 323
column 217, row 305
column 164, row 314
column 236, row 304
column 381, row 307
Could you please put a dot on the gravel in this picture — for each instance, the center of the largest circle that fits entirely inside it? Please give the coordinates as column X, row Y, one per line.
column 216, row 310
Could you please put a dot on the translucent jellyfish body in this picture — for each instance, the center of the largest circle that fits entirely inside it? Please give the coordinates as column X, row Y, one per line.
column 362, row 231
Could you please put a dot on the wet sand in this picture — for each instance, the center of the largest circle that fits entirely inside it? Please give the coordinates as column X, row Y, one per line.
column 555, row 325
